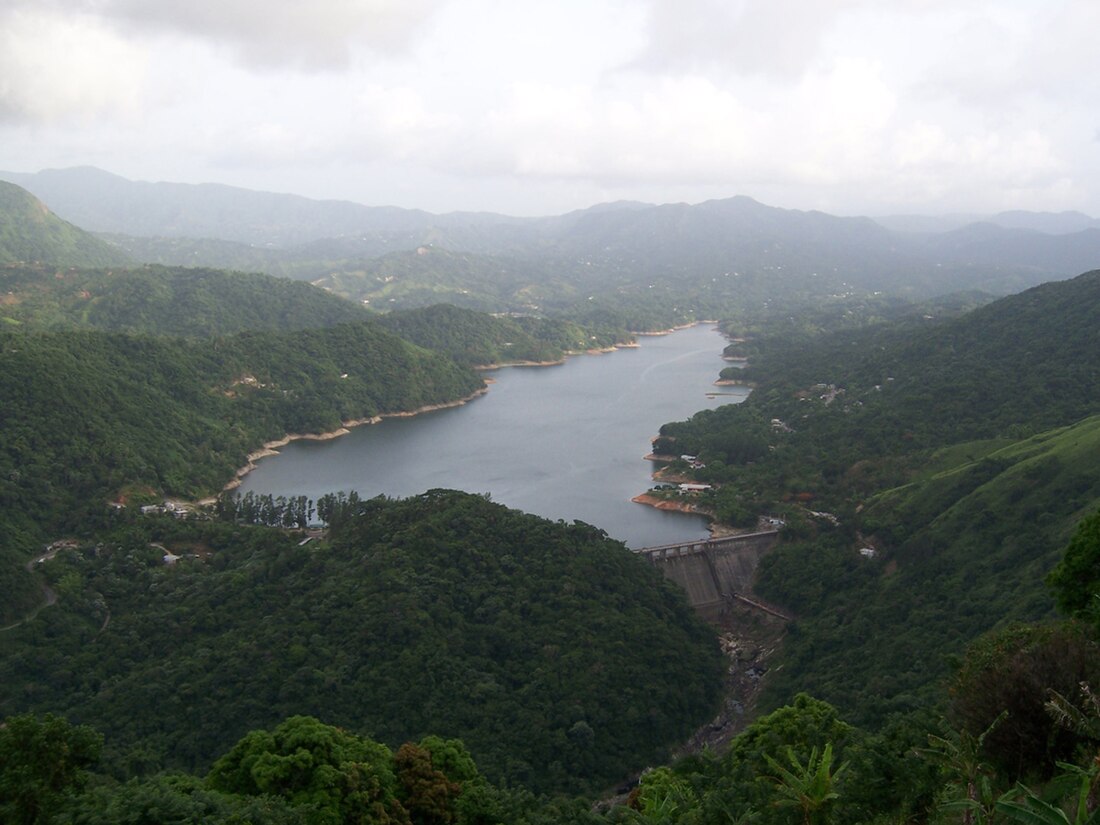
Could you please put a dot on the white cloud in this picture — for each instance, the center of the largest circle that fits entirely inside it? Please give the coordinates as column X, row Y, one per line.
column 780, row 38
column 838, row 104
column 319, row 34
column 55, row 68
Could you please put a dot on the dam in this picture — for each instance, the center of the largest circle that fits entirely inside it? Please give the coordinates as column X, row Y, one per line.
column 716, row 572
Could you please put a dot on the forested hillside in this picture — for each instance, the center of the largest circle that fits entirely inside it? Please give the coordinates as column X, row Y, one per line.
column 476, row 339
column 131, row 412
column 561, row 659
column 632, row 265
column 193, row 303
column 962, row 452
column 30, row 233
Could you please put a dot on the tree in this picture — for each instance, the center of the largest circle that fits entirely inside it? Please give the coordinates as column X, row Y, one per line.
column 345, row 778
column 1014, row 669
column 427, row 793
column 179, row 799
column 1076, row 579
column 41, row 761
column 809, row 787
column 969, row 787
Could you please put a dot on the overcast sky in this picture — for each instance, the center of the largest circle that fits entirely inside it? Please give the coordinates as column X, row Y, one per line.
column 534, row 107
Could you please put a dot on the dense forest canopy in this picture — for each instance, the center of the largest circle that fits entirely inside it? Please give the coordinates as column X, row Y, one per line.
column 179, row 416
column 190, row 303
column 563, row 660
column 961, row 451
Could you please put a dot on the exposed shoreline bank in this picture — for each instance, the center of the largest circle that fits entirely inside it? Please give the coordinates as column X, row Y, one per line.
column 271, row 448
column 672, row 506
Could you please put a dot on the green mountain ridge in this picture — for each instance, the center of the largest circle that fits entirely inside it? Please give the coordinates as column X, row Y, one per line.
column 961, row 451
column 477, row 340
column 665, row 264
column 30, row 233
column 180, row 416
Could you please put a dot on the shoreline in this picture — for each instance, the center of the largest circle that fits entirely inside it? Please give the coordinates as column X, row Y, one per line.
column 271, row 448
column 670, row 505
column 568, row 354
column 677, row 328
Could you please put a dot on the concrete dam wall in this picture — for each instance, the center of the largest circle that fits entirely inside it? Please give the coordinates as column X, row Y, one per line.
column 715, row 572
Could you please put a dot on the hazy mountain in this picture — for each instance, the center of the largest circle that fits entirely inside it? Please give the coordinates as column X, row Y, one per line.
column 927, row 223
column 103, row 202
column 994, row 247
column 29, row 232
column 1052, row 223
column 722, row 254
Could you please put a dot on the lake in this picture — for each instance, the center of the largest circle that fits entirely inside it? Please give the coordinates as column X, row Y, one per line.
column 565, row 442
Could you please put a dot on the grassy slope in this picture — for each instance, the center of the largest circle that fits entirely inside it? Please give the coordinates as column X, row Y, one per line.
column 964, row 548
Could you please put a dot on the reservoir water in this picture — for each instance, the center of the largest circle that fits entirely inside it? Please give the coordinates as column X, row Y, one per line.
column 565, row 442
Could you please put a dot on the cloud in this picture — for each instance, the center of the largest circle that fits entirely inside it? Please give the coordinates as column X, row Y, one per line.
column 809, row 103
column 320, row 34
column 55, row 68
column 688, row 130
column 778, row 39
column 375, row 122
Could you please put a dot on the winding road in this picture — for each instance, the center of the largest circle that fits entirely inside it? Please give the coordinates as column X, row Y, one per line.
column 48, row 592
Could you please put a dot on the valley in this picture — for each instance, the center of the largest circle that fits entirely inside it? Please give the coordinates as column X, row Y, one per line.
column 916, row 422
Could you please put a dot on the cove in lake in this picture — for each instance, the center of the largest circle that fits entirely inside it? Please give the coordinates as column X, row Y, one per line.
column 565, row 442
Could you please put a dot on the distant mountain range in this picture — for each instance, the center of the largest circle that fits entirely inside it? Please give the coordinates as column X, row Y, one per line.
column 668, row 263
column 1052, row 223
column 100, row 201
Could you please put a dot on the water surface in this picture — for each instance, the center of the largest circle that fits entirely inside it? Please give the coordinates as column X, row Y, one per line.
column 565, row 442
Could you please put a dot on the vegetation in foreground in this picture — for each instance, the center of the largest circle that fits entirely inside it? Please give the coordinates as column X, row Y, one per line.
column 563, row 661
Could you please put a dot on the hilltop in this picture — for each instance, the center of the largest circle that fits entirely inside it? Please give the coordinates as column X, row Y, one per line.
column 31, row 233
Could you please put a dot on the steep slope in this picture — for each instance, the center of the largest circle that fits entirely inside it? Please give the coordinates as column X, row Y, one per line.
column 29, row 232
column 984, row 429
column 1029, row 361
column 961, row 550
column 167, row 301
column 88, row 416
